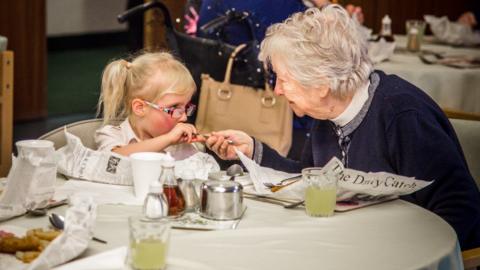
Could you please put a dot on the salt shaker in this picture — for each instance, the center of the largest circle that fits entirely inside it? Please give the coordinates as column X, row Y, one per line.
column 187, row 186
column 155, row 205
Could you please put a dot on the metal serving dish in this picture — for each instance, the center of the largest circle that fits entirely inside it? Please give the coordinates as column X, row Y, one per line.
column 221, row 200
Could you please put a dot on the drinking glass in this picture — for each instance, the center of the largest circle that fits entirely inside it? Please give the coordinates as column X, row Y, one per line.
column 149, row 240
column 320, row 194
column 415, row 31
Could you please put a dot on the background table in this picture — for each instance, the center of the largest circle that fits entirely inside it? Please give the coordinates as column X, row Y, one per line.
column 391, row 235
column 457, row 89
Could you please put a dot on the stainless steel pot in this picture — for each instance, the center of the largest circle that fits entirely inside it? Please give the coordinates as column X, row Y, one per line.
column 221, row 200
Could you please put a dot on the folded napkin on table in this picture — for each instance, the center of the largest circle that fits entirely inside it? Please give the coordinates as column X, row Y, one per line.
column 30, row 183
column 381, row 50
column 79, row 223
column 101, row 193
column 452, row 32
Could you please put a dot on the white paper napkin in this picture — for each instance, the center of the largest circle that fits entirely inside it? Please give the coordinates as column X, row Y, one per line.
column 452, row 32
column 101, row 193
column 381, row 50
column 260, row 175
column 73, row 241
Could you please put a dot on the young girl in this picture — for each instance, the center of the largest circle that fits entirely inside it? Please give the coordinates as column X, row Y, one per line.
column 152, row 93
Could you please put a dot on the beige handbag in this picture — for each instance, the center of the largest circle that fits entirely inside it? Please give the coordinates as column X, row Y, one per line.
column 257, row 112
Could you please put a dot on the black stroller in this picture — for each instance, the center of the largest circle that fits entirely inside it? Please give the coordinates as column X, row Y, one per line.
column 202, row 55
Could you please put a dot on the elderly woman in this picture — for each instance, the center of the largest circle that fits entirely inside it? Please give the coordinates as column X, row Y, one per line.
column 371, row 121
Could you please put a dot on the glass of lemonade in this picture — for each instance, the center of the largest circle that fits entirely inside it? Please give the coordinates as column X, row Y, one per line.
column 149, row 241
column 320, row 194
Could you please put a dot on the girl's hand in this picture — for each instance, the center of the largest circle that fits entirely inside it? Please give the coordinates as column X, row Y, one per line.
column 223, row 143
column 181, row 133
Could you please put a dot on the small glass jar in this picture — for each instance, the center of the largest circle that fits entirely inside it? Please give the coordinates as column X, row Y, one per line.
column 175, row 199
column 149, row 240
column 187, row 185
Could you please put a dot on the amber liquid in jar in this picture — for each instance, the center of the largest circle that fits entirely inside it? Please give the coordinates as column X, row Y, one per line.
column 176, row 202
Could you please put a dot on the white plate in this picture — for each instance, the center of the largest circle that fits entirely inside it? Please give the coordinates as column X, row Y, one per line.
column 193, row 221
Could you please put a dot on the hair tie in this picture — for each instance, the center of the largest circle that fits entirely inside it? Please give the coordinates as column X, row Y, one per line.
column 127, row 64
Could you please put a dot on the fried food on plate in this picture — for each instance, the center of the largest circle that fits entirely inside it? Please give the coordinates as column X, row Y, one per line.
column 28, row 247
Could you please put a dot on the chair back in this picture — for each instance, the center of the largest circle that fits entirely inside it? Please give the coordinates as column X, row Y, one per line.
column 84, row 129
column 468, row 133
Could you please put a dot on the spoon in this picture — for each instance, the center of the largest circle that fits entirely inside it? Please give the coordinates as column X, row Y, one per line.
column 283, row 183
column 234, row 171
column 58, row 222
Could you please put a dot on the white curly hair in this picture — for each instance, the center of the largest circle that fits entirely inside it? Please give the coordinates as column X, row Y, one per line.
column 320, row 47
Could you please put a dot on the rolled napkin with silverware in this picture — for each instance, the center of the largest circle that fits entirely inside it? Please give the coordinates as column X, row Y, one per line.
column 73, row 241
column 31, row 180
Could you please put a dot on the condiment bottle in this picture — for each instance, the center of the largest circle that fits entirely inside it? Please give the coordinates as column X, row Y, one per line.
column 175, row 200
column 386, row 30
column 413, row 42
column 155, row 205
column 187, row 186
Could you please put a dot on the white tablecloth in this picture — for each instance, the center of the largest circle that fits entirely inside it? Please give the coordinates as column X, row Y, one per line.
column 392, row 235
column 452, row 88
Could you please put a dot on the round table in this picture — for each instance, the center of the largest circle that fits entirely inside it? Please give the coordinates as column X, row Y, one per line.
column 391, row 235
column 452, row 88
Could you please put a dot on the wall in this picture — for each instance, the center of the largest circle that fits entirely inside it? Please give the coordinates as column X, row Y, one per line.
column 75, row 17
column 23, row 23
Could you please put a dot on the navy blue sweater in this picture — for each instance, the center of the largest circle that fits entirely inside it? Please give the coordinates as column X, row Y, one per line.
column 406, row 133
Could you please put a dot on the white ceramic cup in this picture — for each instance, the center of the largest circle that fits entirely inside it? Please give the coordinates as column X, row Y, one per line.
column 146, row 167
column 37, row 148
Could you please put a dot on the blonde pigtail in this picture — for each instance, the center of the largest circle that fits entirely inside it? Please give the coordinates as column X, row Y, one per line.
column 115, row 90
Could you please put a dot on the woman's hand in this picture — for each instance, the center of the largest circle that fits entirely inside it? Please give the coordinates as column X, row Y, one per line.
column 223, row 143
column 181, row 133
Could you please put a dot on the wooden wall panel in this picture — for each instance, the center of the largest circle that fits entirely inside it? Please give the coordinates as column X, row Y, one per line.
column 23, row 22
column 6, row 100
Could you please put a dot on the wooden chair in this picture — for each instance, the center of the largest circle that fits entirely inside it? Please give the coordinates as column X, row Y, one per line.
column 467, row 127
column 455, row 114
column 6, row 111
column 471, row 258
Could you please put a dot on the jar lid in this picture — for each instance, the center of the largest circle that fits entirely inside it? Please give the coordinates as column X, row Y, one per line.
column 222, row 186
